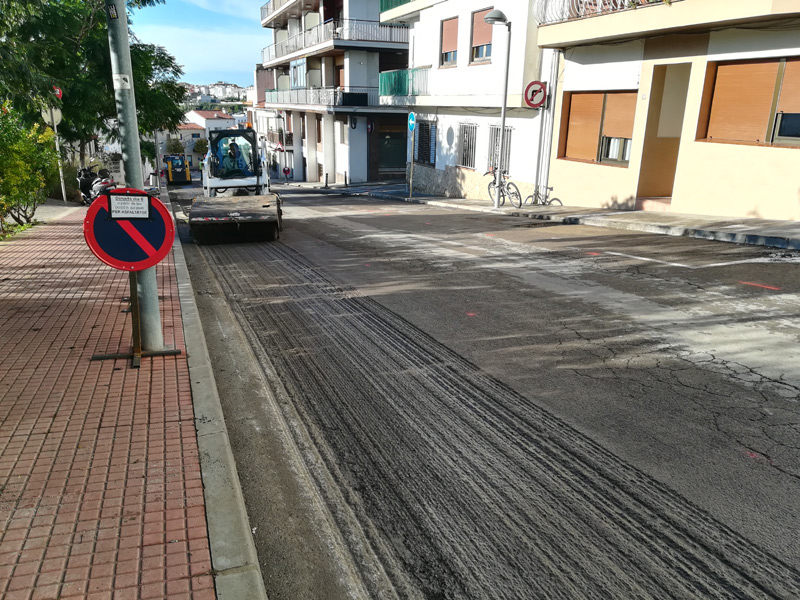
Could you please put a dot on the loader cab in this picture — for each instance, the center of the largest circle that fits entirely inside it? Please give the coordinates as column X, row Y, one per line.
column 177, row 169
column 233, row 163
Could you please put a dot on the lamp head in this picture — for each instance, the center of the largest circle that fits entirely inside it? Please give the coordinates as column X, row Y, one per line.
column 495, row 17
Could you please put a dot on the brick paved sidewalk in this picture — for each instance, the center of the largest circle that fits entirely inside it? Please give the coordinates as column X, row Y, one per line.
column 100, row 489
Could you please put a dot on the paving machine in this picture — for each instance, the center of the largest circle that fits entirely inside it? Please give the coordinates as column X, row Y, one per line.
column 236, row 204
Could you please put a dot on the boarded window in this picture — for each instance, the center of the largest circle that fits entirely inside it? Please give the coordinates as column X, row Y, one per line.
column 481, row 36
column 449, row 41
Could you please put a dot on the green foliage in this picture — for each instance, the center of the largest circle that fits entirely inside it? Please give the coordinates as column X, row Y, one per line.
column 174, row 146
column 65, row 43
column 201, row 146
column 148, row 150
column 27, row 161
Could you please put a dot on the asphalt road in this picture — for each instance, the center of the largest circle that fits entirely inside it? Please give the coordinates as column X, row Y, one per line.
column 427, row 403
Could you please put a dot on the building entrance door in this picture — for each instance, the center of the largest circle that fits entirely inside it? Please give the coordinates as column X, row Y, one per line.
column 663, row 136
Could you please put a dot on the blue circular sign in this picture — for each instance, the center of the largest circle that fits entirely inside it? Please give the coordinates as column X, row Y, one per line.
column 134, row 235
column 412, row 121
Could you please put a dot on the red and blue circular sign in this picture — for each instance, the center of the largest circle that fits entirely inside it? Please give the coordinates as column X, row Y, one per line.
column 128, row 229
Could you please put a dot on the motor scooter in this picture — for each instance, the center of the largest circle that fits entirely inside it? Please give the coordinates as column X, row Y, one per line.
column 92, row 185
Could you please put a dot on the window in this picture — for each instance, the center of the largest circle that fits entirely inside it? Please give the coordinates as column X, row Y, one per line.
column 467, row 136
column 195, row 135
column 481, row 37
column 494, row 147
column 425, row 143
column 599, row 126
column 769, row 111
column 449, row 51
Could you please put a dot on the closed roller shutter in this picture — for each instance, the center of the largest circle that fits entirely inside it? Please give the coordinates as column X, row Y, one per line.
column 583, row 132
column 620, row 111
column 449, row 35
column 742, row 101
column 790, row 89
column 481, row 30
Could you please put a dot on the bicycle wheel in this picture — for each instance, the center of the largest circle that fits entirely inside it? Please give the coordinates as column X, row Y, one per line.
column 514, row 197
column 492, row 190
column 556, row 202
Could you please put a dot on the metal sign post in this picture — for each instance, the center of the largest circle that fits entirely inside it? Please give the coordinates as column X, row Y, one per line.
column 412, row 127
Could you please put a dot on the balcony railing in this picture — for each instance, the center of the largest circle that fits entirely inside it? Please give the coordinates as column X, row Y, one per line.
column 344, row 29
column 278, row 137
column 557, row 11
column 328, row 96
column 390, row 4
column 405, row 82
column 272, row 6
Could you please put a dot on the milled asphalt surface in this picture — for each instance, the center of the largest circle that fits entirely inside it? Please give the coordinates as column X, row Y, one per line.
column 233, row 555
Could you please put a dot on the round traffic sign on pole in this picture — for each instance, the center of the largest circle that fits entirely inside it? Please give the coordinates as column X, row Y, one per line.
column 412, row 121
column 128, row 229
column 536, row 94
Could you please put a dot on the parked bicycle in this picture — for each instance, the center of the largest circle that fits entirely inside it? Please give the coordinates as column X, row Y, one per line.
column 544, row 199
column 507, row 189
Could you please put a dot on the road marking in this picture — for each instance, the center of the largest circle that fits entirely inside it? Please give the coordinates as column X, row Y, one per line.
column 761, row 285
column 709, row 266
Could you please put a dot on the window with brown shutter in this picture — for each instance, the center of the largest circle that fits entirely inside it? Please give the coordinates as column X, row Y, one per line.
column 481, row 37
column 583, row 126
column 600, row 126
column 787, row 121
column 742, row 101
column 449, row 51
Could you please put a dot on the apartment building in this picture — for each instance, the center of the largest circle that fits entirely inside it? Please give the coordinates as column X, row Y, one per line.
column 454, row 84
column 323, row 110
column 690, row 106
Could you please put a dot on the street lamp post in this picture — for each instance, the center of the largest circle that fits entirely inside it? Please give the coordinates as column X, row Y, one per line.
column 497, row 17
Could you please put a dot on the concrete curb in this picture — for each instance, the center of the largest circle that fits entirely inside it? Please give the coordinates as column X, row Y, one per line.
column 237, row 574
column 751, row 238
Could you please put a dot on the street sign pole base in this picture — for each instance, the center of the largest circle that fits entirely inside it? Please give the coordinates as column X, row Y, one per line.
column 136, row 358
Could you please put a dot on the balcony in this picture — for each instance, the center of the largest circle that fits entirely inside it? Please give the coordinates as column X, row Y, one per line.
column 392, row 10
column 569, row 23
column 271, row 7
column 276, row 137
column 405, row 82
column 557, row 11
column 337, row 30
column 327, row 96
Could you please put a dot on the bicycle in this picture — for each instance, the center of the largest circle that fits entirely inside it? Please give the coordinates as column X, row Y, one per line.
column 537, row 198
column 507, row 189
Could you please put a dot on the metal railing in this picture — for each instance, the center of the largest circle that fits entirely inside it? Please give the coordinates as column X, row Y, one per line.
column 272, row 6
column 327, row 96
column 547, row 12
column 344, row 29
column 405, row 82
column 390, row 4
column 276, row 137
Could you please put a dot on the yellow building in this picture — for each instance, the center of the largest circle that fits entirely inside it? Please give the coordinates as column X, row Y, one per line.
column 689, row 106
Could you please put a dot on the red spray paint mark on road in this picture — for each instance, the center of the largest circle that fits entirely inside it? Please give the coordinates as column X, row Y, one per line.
column 367, row 264
column 472, row 314
column 593, row 253
column 759, row 285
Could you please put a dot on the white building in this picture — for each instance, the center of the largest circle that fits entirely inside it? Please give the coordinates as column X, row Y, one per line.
column 325, row 65
column 454, row 84
column 210, row 120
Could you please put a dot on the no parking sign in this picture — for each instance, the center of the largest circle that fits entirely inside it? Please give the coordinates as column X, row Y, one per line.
column 128, row 229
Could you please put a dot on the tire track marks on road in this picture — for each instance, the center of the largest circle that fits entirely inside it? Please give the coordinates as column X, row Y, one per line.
column 476, row 491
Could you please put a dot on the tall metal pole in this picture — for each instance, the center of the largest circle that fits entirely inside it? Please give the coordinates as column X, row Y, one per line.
column 58, row 155
column 122, row 75
column 500, row 165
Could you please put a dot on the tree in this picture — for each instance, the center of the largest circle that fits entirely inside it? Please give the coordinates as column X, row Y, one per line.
column 27, row 161
column 201, row 146
column 175, row 146
column 65, row 43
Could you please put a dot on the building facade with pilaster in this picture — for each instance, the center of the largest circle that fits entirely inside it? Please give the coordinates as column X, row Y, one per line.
column 322, row 109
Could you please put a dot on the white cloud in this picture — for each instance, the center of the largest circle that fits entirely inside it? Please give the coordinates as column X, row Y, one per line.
column 203, row 51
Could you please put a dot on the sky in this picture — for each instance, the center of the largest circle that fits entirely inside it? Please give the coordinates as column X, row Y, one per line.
column 213, row 40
